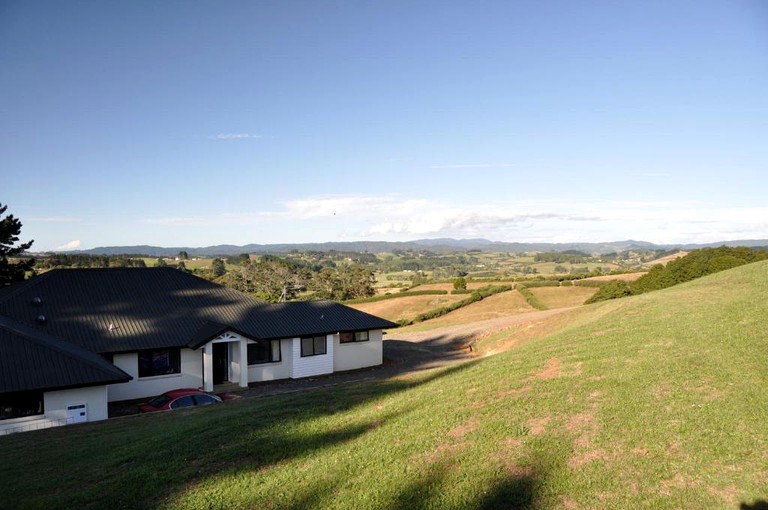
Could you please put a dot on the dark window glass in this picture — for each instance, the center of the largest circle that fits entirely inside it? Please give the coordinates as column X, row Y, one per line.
column 18, row 405
column 320, row 345
column 159, row 362
column 313, row 346
column 264, row 351
column 357, row 336
column 183, row 402
column 159, row 401
column 204, row 400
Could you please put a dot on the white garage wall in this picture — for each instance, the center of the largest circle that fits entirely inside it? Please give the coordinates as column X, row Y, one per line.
column 352, row 355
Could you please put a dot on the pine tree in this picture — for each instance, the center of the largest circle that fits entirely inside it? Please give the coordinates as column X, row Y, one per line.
column 15, row 271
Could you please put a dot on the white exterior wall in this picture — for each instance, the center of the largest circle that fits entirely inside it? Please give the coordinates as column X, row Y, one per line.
column 311, row 365
column 55, row 405
column 352, row 355
column 278, row 370
column 191, row 376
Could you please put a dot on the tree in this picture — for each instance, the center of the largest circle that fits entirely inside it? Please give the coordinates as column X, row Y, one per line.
column 344, row 282
column 218, row 267
column 460, row 283
column 12, row 271
column 160, row 262
column 183, row 255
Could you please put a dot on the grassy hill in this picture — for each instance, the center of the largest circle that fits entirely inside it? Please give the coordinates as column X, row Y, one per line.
column 653, row 401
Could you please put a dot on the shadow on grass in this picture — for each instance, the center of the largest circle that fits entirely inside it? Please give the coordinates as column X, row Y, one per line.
column 517, row 492
column 760, row 504
column 141, row 461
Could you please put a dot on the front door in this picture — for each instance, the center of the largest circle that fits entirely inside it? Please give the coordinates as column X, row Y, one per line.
column 220, row 363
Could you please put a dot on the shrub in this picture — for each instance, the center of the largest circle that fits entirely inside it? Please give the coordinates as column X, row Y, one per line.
column 613, row 289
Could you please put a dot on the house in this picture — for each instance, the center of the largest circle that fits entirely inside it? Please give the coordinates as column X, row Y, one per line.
column 143, row 331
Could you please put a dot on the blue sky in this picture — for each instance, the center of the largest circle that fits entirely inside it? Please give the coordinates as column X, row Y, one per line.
column 200, row 123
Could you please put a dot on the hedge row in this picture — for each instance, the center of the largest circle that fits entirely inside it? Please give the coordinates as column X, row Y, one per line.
column 476, row 295
column 530, row 298
column 398, row 295
column 592, row 283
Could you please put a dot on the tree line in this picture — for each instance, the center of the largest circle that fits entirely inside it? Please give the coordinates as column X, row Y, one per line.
column 696, row 264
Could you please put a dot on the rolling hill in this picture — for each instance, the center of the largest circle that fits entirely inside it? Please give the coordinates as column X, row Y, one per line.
column 436, row 245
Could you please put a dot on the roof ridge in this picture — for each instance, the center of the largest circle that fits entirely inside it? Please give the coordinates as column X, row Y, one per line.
column 57, row 344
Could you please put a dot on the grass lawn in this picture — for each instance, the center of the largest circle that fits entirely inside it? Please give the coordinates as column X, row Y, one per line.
column 654, row 401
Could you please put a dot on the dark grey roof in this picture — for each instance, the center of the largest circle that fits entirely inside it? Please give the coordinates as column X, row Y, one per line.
column 129, row 309
column 33, row 360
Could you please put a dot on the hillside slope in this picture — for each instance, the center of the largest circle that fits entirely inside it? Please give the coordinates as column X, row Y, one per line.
column 655, row 401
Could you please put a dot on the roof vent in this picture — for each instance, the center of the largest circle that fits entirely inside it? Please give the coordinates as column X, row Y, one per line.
column 41, row 319
column 37, row 301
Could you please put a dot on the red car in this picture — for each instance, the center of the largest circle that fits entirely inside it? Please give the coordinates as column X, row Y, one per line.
column 177, row 399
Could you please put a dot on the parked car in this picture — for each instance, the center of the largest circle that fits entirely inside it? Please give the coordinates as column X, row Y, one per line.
column 177, row 399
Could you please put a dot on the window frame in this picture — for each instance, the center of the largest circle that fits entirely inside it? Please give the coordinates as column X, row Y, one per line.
column 271, row 352
column 174, row 363
column 314, row 340
column 352, row 336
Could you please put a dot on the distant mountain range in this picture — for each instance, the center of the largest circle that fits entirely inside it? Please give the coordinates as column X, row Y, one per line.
column 435, row 245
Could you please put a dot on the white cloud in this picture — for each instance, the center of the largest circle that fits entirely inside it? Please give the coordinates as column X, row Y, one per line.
column 72, row 245
column 234, row 136
column 396, row 217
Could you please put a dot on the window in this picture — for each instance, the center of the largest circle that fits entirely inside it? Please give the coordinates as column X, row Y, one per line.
column 353, row 336
column 18, row 405
column 186, row 401
column 159, row 362
column 264, row 351
column 313, row 346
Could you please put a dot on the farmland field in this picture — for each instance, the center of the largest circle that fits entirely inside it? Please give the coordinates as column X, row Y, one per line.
column 406, row 307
